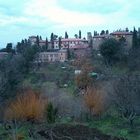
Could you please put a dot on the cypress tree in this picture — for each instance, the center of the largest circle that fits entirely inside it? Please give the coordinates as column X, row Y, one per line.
column 60, row 42
column 52, row 40
column 37, row 40
column 135, row 40
column 46, row 44
column 66, row 35
column 80, row 34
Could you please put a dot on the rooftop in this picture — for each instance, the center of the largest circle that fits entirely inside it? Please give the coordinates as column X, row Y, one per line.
column 101, row 36
column 73, row 39
column 121, row 33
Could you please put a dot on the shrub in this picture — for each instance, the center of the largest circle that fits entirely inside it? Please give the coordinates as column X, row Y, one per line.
column 94, row 100
column 27, row 106
column 111, row 50
column 83, row 80
column 51, row 113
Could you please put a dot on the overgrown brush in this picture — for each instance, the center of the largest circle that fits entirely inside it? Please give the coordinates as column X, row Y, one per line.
column 95, row 101
column 27, row 106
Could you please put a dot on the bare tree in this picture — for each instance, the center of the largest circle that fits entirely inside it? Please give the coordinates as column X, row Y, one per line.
column 126, row 95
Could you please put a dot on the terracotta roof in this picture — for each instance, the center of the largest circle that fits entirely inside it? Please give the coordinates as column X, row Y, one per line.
column 32, row 36
column 76, row 46
column 73, row 39
column 121, row 33
column 101, row 36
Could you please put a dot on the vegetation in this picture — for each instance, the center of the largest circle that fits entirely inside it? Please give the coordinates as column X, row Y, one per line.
column 51, row 113
column 28, row 106
column 109, row 102
column 111, row 50
column 95, row 101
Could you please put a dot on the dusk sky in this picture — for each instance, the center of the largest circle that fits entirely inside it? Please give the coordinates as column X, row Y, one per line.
column 22, row 18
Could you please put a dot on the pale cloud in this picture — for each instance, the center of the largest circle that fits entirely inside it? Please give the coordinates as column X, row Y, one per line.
column 54, row 13
column 7, row 20
column 21, row 18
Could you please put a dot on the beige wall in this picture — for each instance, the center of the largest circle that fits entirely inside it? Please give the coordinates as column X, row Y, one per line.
column 60, row 56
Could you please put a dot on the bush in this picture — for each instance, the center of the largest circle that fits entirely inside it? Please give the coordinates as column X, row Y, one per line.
column 28, row 106
column 95, row 101
column 51, row 113
column 112, row 51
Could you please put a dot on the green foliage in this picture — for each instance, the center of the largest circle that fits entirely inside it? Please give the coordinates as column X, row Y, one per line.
column 80, row 34
column 115, row 126
column 51, row 113
column 14, row 68
column 134, row 59
column 66, row 35
column 111, row 50
column 10, row 76
column 29, row 55
column 134, row 41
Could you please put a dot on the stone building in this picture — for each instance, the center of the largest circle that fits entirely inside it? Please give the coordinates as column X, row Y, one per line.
column 98, row 40
column 118, row 35
column 52, row 56
column 127, row 36
column 71, row 43
column 3, row 55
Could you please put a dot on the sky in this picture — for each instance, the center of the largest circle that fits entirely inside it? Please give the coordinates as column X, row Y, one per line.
column 20, row 19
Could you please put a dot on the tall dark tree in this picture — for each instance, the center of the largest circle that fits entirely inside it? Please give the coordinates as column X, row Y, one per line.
column 40, row 38
column 127, row 30
column 60, row 42
column 134, row 41
column 102, row 32
column 20, row 47
column 80, row 34
column 9, row 48
column 138, row 37
column 111, row 50
column 66, row 35
column 95, row 33
column 46, row 43
column 22, row 42
column 26, row 42
column 107, row 32
column 37, row 40
column 52, row 40
column 76, row 36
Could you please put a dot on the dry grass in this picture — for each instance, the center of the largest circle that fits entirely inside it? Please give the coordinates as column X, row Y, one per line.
column 27, row 106
column 95, row 101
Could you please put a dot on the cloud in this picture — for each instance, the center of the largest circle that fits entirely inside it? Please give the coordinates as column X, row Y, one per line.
column 55, row 12
column 42, row 17
column 52, row 12
column 8, row 20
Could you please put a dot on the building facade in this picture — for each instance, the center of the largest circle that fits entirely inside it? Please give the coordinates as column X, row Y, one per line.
column 33, row 39
column 3, row 55
column 71, row 43
column 118, row 35
column 52, row 56
column 98, row 40
column 126, row 36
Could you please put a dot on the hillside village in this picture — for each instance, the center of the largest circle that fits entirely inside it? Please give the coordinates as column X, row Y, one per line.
column 57, row 49
column 71, row 88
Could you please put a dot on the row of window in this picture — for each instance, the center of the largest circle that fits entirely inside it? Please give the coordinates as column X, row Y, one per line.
column 51, row 55
column 71, row 42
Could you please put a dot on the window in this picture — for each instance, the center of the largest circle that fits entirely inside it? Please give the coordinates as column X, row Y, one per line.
column 56, row 55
